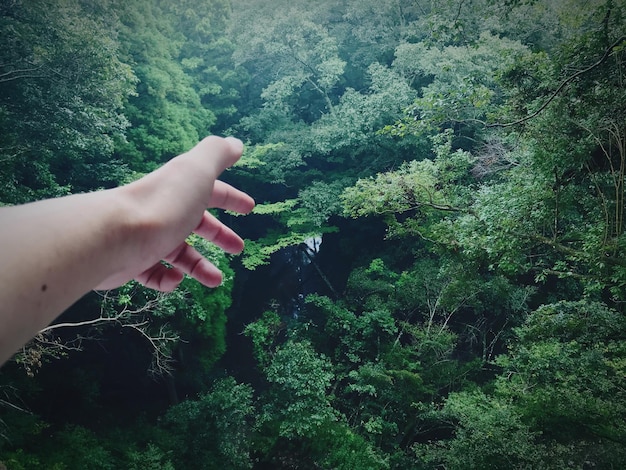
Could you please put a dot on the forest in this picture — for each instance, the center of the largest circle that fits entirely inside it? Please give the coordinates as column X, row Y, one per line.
column 435, row 272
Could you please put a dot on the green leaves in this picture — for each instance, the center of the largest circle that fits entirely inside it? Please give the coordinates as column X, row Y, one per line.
column 566, row 373
column 411, row 187
column 489, row 433
column 258, row 252
column 264, row 335
column 353, row 125
column 560, row 389
column 166, row 114
column 307, row 56
column 301, row 379
column 213, row 430
column 426, row 190
column 461, row 81
column 61, row 97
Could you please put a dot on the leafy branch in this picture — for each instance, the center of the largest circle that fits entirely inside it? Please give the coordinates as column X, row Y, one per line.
column 17, row 74
column 48, row 344
column 561, row 87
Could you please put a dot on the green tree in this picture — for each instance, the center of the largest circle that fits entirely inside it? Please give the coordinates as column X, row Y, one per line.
column 570, row 356
column 76, row 447
column 460, row 83
column 62, row 89
column 152, row 458
column 298, row 423
column 300, row 402
column 263, row 333
column 306, row 54
column 212, row 431
column 206, row 57
column 488, row 433
column 556, row 404
column 166, row 112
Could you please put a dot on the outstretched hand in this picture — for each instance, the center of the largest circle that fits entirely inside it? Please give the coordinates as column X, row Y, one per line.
column 173, row 203
column 56, row 250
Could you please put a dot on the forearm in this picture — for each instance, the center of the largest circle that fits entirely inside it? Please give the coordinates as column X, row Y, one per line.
column 52, row 253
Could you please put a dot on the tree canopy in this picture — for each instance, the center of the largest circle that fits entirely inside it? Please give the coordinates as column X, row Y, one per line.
column 434, row 276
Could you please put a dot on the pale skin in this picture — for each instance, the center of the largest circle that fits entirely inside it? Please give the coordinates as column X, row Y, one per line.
column 53, row 252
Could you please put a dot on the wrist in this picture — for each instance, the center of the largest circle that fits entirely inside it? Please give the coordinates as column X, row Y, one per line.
column 127, row 233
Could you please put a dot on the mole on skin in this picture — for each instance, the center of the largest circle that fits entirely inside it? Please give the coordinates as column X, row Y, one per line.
column 44, row 287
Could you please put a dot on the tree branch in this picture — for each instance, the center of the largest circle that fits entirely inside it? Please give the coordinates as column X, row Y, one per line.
column 45, row 346
column 566, row 82
column 13, row 75
column 612, row 260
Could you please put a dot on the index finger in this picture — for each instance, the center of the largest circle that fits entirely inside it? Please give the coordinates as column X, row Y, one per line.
column 223, row 152
column 226, row 197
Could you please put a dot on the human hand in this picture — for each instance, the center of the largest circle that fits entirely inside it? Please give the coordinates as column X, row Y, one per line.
column 166, row 206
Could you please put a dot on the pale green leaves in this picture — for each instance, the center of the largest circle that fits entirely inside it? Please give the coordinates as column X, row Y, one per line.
column 275, row 208
column 303, row 53
column 359, row 115
column 305, row 217
column 277, row 93
column 412, row 187
column 258, row 252
column 271, row 162
column 319, row 201
column 428, row 190
column 385, row 193
column 462, row 80
column 330, row 71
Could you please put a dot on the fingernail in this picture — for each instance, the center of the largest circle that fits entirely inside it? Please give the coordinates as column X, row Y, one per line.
column 236, row 144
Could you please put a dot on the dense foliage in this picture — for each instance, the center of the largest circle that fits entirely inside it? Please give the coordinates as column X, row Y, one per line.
column 461, row 162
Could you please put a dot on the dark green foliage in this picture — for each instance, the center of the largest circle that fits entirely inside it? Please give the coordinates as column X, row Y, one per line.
column 489, row 433
column 166, row 114
column 212, row 431
column 72, row 448
column 206, row 57
column 558, row 401
column 482, row 329
column 264, row 335
column 62, row 89
column 152, row 458
column 300, row 403
column 571, row 355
